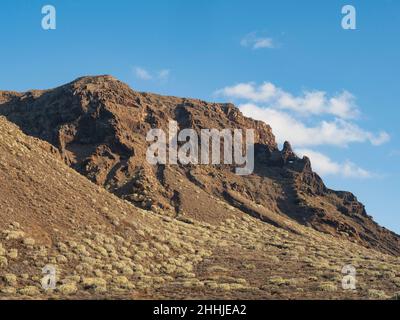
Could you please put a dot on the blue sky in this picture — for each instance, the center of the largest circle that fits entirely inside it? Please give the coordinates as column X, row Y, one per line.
column 333, row 91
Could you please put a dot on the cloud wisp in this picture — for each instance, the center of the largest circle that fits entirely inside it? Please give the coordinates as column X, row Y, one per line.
column 163, row 74
column 333, row 117
column 308, row 120
column 142, row 73
column 145, row 75
column 341, row 105
column 254, row 41
column 336, row 132
column 326, row 166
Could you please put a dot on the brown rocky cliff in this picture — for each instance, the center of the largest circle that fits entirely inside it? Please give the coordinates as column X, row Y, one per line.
column 99, row 125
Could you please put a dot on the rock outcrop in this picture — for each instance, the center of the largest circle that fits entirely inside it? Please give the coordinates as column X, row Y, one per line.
column 99, row 126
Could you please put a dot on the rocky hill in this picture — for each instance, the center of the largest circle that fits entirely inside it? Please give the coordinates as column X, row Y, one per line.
column 103, row 247
column 99, row 125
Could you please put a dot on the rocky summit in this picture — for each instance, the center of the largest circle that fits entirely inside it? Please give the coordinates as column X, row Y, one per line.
column 79, row 194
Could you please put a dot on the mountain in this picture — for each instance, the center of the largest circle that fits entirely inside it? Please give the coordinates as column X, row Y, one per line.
column 102, row 247
column 99, row 126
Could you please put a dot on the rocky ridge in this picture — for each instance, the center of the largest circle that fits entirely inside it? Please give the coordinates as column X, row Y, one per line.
column 99, row 124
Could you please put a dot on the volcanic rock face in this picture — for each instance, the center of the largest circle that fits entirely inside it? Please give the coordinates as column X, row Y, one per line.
column 99, row 126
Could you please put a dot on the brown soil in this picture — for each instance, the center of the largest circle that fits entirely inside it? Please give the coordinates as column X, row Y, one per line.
column 87, row 202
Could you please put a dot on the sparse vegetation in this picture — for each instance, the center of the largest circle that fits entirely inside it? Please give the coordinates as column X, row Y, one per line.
column 377, row 294
column 328, row 286
column 106, row 248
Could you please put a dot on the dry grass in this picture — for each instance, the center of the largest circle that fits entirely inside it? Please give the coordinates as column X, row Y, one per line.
column 242, row 257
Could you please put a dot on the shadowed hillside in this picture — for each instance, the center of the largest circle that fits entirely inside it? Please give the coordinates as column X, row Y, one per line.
column 104, row 247
column 99, row 125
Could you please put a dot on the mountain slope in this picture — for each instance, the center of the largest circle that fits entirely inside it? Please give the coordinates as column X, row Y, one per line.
column 103, row 247
column 52, row 215
column 99, row 126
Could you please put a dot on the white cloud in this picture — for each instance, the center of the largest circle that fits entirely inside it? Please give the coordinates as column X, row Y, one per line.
column 308, row 120
column 163, row 74
column 248, row 91
column 257, row 42
column 382, row 138
column 343, row 106
column 263, row 43
column 309, row 103
column 324, row 166
column 142, row 73
column 337, row 132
